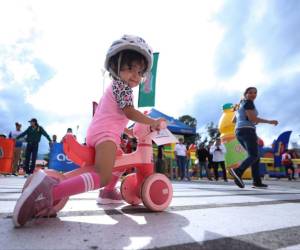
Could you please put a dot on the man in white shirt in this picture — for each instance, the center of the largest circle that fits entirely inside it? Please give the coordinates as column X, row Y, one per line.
column 181, row 158
column 218, row 152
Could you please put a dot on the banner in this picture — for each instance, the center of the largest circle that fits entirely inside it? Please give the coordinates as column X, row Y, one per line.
column 58, row 160
column 147, row 88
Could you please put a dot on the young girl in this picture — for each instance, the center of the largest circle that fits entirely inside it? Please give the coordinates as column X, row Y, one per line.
column 128, row 60
column 246, row 119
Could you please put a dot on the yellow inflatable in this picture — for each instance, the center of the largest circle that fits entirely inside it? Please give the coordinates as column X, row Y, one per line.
column 235, row 152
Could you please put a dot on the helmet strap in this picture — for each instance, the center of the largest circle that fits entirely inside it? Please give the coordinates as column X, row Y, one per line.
column 119, row 63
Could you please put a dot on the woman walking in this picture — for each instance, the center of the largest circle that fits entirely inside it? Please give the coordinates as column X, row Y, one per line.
column 246, row 119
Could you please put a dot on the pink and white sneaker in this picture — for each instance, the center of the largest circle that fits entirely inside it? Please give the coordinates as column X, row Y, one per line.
column 112, row 196
column 36, row 199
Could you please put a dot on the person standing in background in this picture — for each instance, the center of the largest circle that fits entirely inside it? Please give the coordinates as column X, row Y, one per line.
column 17, row 149
column 54, row 138
column 218, row 151
column 181, row 158
column 160, row 160
column 203, row 155
column 33, row 136
column 210, row 164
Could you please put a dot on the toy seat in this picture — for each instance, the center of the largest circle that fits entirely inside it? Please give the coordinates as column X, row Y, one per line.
column 80, row 154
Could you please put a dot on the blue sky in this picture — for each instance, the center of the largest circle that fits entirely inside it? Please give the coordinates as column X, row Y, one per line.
column 52, row 54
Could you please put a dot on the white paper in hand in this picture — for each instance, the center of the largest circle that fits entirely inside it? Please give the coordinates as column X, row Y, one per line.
column 164, row 136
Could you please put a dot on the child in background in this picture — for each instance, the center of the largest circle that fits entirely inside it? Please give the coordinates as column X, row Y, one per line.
column 128, row 60
column 18, row 147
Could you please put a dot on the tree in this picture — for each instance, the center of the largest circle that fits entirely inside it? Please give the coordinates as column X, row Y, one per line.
column 188, row 120
column 212, row 131
column 191, row 122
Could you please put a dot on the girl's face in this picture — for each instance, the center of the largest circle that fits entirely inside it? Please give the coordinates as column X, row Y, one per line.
column 251, row 94
column 132, row 74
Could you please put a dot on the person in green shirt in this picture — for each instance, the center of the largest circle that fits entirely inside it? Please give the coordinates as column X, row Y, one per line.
column 33, row 136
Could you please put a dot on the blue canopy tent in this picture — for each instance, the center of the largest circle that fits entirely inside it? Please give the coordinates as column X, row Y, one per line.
column 174, row 125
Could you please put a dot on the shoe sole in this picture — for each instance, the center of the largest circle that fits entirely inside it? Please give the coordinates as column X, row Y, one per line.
column 260, row 187
column 234, row 175
column 24, row 196
column 102, row 201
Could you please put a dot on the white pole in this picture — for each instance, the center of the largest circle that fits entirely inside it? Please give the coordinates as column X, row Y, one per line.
column 77, row 127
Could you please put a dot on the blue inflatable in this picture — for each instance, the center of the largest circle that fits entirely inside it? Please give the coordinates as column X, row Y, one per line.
column 58, row 160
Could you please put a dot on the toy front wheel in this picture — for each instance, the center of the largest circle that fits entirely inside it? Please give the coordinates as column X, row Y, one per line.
column 128, row 190
column 58, row 205
column 157, row 192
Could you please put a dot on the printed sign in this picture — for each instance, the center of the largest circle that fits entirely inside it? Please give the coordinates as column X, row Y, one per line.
column 163, row 136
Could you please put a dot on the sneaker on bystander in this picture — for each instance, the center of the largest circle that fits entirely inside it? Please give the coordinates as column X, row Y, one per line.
column 237, row 178
column 259, row 185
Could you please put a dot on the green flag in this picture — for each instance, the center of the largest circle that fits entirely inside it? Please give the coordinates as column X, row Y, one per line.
column 147, row 88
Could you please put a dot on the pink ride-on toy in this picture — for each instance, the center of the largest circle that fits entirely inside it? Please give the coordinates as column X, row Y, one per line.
column 154, row 190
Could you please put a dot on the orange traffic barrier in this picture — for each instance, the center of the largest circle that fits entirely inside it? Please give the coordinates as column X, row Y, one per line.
column 6, row 155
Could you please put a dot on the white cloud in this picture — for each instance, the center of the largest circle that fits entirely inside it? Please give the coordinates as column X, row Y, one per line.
column 72, row 37
column 16, row 21
column 73, row 40
column 21, row 71
column 251, row 72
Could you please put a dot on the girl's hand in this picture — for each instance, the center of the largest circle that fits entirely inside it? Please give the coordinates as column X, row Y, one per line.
column 274, row 122
column 159, row 124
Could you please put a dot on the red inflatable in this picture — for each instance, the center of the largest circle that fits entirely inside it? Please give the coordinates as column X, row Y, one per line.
column 6, row 155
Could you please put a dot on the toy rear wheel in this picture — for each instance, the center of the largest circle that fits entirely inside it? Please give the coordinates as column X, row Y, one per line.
column 157, row 192
column 129, row 190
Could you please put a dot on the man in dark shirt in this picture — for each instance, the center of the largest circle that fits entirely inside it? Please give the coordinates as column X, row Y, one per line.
column 203, row 156
column 160, row 159
column 33, row 136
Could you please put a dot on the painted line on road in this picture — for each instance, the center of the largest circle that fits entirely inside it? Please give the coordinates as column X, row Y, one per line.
column 235, row 194
column 181, row 196
column 242, row 204
column 127, row 209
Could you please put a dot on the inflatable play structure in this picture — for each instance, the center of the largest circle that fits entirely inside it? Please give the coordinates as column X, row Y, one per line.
column 270, row 162
column 144, row 186
column 6, row 155
column 271, row 157
column 235, row 152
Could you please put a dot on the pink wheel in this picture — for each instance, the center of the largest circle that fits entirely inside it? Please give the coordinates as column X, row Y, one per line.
column 128, row 190
column 157, row 192
column 58, row 205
